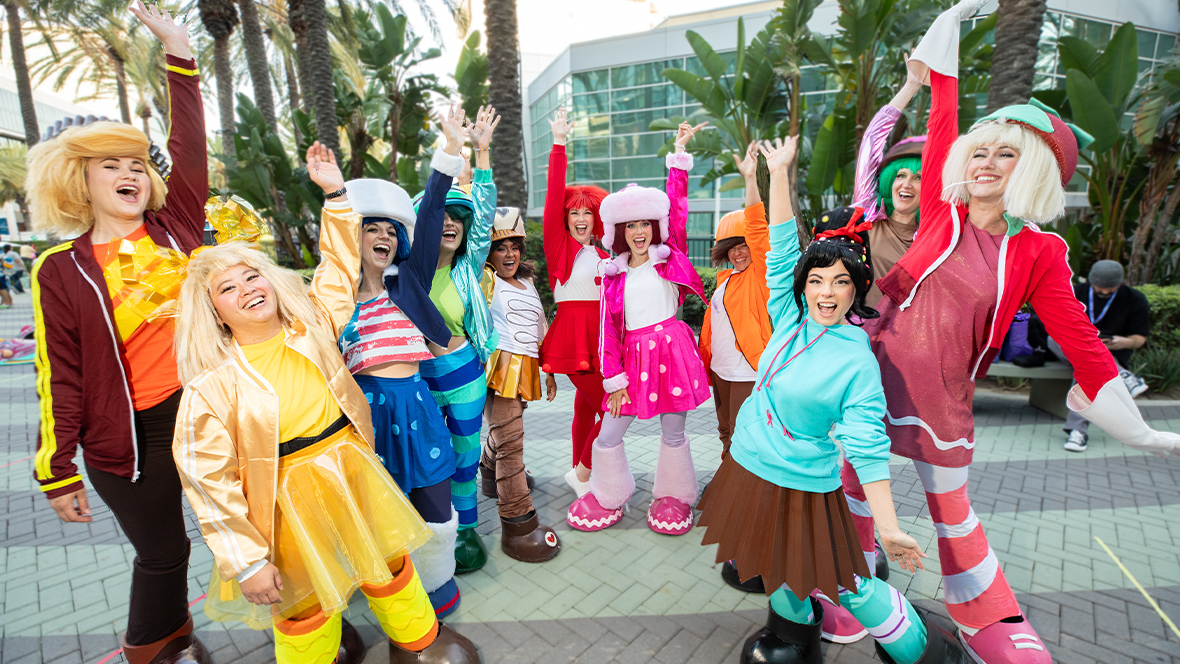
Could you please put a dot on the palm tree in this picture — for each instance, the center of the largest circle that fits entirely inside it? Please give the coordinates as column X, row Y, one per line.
column 24, row 88
column 504, row 94
column 1018, row 31
column 219, row 18
column 309, row 23
column 256, row 59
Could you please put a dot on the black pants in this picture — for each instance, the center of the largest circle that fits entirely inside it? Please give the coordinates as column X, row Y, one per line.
column 151, row 514
column 433, row 502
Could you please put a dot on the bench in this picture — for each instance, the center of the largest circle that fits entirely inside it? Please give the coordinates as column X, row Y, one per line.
column 1048, row 384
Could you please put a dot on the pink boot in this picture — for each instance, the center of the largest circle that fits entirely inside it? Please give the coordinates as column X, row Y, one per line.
column 611, row 486
column 674, row 491
column 839, row 626
column 1006, row 643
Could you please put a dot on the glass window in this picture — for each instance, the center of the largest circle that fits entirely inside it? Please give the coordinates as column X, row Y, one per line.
column 591, row 81
column 591, row 170
column 700, row 224
column 644, row 98
column 1146, row 43
column 635, row 121
column 697, row 191
column 1165, row 46
column 1046, row 58
column 591, row 104
column 693, row 64
column 657, row 183
column 592, row 148
column 1096, row 33
column 812, row 80
column 638, row 145
column 645, row 73
column 598, row 125
column 1070, row 26
column 740, row 192
column 637, row 168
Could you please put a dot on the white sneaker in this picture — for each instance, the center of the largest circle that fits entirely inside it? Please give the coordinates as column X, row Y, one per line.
column 1077, row 441
column 581, row 488
column 1135, row 384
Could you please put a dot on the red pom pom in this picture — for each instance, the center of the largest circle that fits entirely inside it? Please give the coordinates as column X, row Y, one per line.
column 584, row 366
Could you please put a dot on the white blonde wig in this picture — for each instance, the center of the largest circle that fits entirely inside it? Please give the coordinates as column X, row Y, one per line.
column 1034, row 191
column 202, row 340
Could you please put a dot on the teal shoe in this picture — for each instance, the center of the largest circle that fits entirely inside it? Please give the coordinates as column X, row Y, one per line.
column 470, row 553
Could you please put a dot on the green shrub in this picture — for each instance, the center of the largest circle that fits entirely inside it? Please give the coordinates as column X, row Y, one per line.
column 693, row 310
column 1158, row 365
column 1165, row 315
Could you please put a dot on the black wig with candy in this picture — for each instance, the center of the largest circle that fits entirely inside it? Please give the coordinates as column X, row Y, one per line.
column 840, row 235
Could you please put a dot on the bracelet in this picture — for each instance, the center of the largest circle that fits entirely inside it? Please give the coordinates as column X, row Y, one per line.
column 481, row 149
column 336, row 194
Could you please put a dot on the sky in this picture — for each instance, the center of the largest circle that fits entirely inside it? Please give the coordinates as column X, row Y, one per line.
column 546, row 28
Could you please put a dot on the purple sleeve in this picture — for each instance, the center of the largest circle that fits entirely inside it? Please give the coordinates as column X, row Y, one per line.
column 868, row 162
column 677, row 189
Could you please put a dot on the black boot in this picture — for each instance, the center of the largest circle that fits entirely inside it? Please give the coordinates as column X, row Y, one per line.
column 941, row 645
column 786, row 642
column 729, row 574
column 352, row 648
column 882, row 571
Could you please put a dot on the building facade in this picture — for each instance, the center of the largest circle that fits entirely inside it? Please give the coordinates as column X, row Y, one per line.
column 614, row 89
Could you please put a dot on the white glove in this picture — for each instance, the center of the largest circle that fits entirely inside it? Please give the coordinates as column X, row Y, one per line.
column 1115, row 411
column 939, row 49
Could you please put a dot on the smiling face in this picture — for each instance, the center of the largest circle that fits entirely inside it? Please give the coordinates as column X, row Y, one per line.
column 830, row 293
column 378, row 245
column 638, row 237
column 907, row 189
column 119, row 187
column 989, row 169
column 452, row 235
column 246, row 303
column 581, row 225
column 739, row 257
column 505, row 258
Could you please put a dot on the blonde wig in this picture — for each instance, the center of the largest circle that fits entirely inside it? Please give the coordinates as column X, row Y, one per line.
column 1034, row 191
column 59, row 196
column 202, row 340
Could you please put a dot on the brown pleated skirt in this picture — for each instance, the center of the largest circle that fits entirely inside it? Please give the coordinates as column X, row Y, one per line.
column 805, row 540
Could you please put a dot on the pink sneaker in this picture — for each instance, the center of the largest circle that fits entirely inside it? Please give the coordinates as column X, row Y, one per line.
column 1006, row 643
column 587, row 515
column 669, row 516
column 839, row 625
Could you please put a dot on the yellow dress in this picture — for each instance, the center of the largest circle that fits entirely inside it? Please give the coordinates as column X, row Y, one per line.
column 340, row 515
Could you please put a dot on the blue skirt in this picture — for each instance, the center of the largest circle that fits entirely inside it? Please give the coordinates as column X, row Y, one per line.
column 411, row 436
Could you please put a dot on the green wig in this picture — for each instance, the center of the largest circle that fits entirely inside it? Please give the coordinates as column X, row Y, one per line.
column 889, row 174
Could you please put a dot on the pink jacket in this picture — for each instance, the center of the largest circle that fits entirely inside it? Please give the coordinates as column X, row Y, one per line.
column 674, row 266
column 1034, row 265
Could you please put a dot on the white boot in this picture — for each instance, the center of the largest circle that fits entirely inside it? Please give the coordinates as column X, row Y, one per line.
column 1115, row 411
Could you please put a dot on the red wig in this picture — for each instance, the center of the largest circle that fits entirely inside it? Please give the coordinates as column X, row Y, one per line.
column 585, row 196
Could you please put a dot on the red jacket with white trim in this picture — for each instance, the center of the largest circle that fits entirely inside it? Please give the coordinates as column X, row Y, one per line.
column 85, row 398
column 1033, row 266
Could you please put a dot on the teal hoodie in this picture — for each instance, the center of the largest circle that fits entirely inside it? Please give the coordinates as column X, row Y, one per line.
column 832, row 385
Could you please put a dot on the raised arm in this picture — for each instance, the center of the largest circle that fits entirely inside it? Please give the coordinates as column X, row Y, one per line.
column 188, row 185
column 483, row 189
column 757, row 231
column 555, row 236
column 872, row 149
column 334, row 286
column 784, row 241
column 679, row 163
column 446, row 164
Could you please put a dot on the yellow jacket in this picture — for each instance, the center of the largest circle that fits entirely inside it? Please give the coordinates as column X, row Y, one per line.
column 227, row 431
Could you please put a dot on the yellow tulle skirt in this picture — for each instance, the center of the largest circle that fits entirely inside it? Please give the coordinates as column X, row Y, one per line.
column 340, row 517
column 510, row 375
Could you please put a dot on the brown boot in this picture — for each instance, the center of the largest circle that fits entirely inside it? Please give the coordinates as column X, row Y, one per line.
column 352, row 648
column 449, row 647
column 181, row 647
column 528, row 541
column 487, row 481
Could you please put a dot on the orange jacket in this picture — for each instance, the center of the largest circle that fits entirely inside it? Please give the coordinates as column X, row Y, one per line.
column 745, row 297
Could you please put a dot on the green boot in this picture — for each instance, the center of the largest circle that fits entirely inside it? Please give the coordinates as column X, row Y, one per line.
column 470, row 553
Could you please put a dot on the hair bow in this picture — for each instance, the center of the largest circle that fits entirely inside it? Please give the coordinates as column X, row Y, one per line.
column 850, row 230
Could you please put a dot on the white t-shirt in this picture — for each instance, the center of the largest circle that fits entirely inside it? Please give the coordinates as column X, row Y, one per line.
column 580, row 285
column 648, row 298
column 728, row 362
column 518, row 317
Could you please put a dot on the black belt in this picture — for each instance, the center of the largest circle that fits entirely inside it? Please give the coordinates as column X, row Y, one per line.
column 295, row 444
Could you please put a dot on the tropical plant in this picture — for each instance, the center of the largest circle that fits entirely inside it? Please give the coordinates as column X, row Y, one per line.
column 309, row 23
column 220, row 17
column 1018, row 35
column 471, row 75
column 1157, row 128
column 20, row 67
column 257, row 61
column 504, row 95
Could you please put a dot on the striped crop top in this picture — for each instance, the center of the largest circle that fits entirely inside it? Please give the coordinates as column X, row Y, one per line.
column 379, row 333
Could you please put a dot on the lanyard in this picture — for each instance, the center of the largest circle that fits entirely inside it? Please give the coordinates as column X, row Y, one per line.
column 1090, row 311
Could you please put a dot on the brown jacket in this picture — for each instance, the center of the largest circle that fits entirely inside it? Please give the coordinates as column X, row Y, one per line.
column 227, row 430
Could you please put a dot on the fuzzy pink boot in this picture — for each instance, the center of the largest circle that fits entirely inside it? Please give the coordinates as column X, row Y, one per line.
column 674, row 492
column 611, row 486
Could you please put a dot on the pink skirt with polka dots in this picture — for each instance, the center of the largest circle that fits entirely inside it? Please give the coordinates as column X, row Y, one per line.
column 665, row 373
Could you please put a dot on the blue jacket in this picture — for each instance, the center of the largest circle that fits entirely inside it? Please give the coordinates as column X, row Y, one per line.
column 468, row 269
column 815, row 383
column 408, row 284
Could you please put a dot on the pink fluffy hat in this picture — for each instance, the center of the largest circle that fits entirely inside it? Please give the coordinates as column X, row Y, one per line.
column 634, row 203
